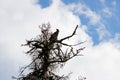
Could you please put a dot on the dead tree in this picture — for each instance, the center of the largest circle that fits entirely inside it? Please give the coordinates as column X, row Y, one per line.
column 47, row 55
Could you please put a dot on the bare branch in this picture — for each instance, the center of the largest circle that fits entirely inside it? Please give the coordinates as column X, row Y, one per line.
column 69, row 36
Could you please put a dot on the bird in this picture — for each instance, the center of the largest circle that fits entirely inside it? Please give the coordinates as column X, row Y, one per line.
column 54, row 36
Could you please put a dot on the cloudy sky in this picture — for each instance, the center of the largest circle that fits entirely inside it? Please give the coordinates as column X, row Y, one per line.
column 98, row 22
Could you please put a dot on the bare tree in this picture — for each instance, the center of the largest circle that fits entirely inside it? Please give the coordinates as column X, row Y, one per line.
column 47, row 55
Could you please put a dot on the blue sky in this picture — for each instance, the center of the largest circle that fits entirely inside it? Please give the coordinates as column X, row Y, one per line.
column 111, row 21
column 99, row 24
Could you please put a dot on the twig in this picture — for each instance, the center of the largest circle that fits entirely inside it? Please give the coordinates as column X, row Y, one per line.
column 69, row 36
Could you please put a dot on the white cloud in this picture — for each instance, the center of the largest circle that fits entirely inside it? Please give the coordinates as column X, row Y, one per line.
column 103, row 33
column 19, row 20
column 98, row 63
column 107, row 11
column 116, row 40
column 95, row 19
column 82, row 9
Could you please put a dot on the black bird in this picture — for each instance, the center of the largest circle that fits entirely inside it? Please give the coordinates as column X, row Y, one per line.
column 54, row 36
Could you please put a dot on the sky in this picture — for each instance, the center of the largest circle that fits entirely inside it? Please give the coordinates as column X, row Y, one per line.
column 99, row 26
